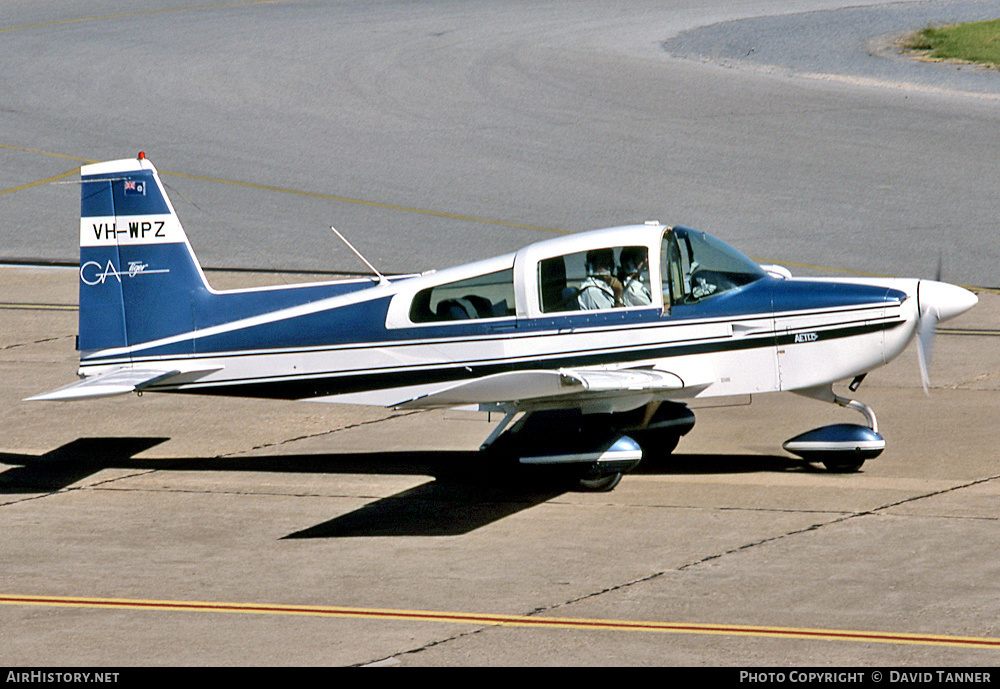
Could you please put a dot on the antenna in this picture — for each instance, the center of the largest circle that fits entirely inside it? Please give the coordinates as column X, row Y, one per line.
column 381, row 278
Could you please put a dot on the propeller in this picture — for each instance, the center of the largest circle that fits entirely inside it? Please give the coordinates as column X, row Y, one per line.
column 937, row 301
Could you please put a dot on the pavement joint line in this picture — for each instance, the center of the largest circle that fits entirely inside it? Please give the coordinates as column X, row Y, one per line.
column 864, row 513
column 746, row 546
column 28, row 344
column 487, row 620
column 330, row 431
column 97, row 485
column 846, row 517
column 104, row 485
column 420, row 649
column 29, row 498
column 932, row 494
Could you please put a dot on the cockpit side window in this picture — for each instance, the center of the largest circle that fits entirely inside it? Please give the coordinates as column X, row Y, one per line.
column 483, row 296
column 696, row 266
column 603, row 278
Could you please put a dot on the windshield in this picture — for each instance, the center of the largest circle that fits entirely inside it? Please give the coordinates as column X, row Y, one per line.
column 697, row 266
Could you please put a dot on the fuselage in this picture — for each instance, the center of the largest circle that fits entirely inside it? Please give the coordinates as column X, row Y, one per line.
column 675, row 312
column 713, row 318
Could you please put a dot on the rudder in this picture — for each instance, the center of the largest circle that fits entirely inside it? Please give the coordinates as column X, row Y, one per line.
column 138, row 274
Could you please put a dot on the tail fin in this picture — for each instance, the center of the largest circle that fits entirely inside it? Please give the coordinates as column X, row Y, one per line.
column 139, row 277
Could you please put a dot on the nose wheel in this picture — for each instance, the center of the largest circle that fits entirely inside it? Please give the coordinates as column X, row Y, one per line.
column 843, row 466
column 601, row 484
column 844, row 447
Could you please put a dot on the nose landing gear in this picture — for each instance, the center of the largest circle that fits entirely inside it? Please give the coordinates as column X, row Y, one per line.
column 843, row 447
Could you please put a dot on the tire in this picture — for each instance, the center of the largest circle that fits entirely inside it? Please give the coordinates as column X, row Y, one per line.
column 602, row 484
column 656, row 445
column 843, row 466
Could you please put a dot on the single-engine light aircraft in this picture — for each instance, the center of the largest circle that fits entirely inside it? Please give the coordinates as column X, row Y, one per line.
column 592, row 345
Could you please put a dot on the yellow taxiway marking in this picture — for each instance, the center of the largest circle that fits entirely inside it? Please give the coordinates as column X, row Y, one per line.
column 38, row 307
column 405, row 209
column 49, row 154
column 362, row 202
column 283, row 190
column 505, row 620
column 47, row 180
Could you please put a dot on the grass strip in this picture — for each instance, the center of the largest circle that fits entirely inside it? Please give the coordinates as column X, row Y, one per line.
column 977, row 42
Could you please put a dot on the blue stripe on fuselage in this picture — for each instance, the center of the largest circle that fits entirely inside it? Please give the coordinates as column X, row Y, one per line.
column 164, row 296
column 364, row 322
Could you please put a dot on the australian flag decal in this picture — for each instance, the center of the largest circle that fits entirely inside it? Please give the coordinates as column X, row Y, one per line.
column 133, row 187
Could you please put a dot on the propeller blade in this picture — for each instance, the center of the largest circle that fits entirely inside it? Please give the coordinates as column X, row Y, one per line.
column 937, row 301
column 925, row 344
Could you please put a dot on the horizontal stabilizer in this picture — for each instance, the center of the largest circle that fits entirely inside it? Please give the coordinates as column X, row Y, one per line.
column 116, row 382
column 523, row 386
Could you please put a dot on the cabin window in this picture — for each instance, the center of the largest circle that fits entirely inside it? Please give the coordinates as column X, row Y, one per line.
column 696, row 266
column 604, row 278
column 483, row 296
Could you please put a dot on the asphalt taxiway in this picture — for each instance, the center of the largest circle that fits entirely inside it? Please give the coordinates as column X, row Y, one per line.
column 176, row 530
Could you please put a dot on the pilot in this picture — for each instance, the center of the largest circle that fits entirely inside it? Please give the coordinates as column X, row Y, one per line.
column 601, row 289
column 635, row 290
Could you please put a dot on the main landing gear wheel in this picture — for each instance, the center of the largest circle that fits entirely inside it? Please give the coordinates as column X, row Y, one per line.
column 585, row 452
column 656, row 446
column 657, row 428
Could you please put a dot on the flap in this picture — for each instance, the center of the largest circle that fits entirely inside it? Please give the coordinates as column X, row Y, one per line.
column 567, row 384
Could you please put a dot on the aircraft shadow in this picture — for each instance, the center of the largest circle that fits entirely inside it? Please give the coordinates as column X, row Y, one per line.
column 75, row 461
column 467, row 490
column 437, row 508
column 685, row 464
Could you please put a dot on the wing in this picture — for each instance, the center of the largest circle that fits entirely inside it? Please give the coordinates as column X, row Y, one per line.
column 564, row 387
column 116, row 382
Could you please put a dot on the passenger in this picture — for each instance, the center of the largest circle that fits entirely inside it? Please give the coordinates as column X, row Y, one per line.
column 601, row 289
column 635, row 290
